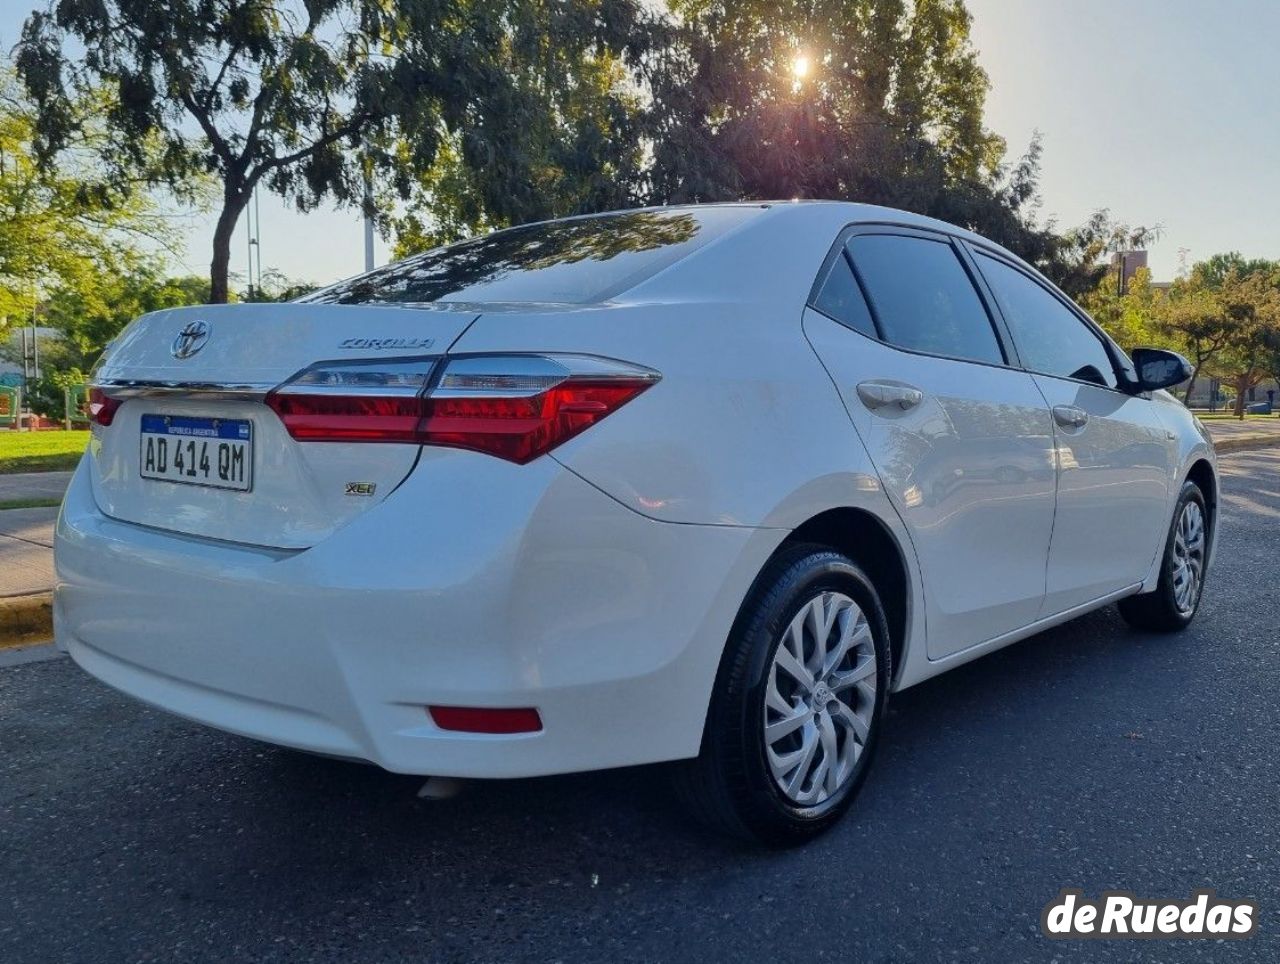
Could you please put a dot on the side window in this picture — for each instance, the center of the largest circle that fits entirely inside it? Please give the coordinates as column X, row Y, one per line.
column 1051, row 339
column 841, row 299
column 922, row 297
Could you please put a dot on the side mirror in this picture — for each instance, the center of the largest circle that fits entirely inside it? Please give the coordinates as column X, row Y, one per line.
column 1158, row 368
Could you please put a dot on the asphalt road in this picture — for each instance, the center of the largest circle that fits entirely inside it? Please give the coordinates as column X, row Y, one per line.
column 1089, row 756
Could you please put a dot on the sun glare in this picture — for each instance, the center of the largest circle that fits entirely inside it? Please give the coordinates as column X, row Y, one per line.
column 800, row 67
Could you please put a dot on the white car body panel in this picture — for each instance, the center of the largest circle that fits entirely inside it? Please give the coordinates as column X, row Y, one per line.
column 597, row 583
column 470, row 605
column 970, row 472
column 1114, row 479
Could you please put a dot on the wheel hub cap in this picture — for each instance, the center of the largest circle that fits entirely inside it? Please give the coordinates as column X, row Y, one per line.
column 820, row 698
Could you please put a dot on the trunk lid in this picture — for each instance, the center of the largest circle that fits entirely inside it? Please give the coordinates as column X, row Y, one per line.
column 191, row 383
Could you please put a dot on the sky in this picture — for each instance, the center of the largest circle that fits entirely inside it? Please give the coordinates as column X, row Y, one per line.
column 1163, row 111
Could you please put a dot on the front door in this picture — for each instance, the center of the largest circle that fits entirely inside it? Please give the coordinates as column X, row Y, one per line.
column 1114, row 456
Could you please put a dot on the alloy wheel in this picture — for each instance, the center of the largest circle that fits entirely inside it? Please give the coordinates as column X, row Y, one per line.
column 1188, row 557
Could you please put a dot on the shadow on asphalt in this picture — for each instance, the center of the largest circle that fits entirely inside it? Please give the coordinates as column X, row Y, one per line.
column 623, row 814
column 1089, row 756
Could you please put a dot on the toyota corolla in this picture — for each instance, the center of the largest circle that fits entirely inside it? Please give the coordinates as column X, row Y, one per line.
column 702, row 484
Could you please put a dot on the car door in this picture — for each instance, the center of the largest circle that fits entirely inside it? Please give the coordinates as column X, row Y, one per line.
column 962, row 440
column 1114, row 455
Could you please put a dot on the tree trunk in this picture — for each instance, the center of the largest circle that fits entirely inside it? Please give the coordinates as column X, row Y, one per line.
column 232, row 206
column 1242, row 386
column 1186, row 396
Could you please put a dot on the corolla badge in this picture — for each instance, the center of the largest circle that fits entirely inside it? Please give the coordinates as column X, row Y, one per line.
column 191, row 339
column 386, row 344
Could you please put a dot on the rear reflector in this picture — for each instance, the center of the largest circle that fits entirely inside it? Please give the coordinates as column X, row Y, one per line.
column 515, row 407
column 475, row 719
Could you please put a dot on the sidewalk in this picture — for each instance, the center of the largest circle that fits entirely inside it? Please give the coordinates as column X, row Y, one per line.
column 37, row 485
column 26, row 556
column 26, row 535
column 1231, row 435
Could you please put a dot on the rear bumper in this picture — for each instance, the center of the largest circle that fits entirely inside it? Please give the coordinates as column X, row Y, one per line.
column 531, row 589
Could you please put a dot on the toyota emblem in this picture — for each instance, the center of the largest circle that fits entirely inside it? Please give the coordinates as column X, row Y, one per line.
column 191, row 339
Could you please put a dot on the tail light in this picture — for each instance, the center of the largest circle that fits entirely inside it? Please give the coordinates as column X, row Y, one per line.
column 516, row 407
column 102, row 407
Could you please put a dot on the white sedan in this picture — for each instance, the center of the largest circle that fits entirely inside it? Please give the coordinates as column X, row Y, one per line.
column 700, row 484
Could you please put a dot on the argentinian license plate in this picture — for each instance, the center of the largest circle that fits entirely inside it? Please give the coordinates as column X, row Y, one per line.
column 216, row 452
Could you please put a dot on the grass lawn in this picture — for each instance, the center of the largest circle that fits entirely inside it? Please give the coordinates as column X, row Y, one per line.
column 29, row 504
column 40, row 451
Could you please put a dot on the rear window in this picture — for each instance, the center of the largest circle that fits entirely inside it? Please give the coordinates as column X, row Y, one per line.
column 922, row 297
column 578, row 261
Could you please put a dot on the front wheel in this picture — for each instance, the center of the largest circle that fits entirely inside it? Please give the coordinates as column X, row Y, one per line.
column 1173, row 603
column 798, row 702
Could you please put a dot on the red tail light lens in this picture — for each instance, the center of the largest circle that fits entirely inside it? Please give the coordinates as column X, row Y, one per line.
column 364, row 401
column 347, row 418
column 102, row 408
column 515, row 407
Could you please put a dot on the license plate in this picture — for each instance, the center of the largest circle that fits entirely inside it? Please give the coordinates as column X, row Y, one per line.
column 215, row 452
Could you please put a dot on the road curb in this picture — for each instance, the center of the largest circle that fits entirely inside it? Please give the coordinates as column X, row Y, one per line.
column 26, row 619
column 1243, row 443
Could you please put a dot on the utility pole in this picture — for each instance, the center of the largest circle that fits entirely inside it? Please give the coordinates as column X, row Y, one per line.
column 368, row 218
column 253, row 230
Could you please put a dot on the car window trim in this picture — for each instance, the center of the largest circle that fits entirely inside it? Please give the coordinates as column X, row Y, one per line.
column 824, row 276
column 893, row 228
column 1072, row 308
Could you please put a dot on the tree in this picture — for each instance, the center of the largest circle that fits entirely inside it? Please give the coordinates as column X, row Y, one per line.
column 1126, row 316
column 63, row 227
column 557, row 134
column 1251, row 299
column 1226, row 315
column 87, row 322
column 1194, row 317
column 876, row 100
column 879, row 101
column 312, row 99
column 252, row 91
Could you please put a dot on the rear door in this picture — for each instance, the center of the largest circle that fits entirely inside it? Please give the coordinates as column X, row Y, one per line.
column 961, row 439
column 192, row 447
column 1115, row 458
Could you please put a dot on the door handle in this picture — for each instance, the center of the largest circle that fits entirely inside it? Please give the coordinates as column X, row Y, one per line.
column 1068, row 416
column 878, row 395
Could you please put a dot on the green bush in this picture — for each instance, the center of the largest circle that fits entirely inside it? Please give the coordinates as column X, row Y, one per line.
column 47, row 395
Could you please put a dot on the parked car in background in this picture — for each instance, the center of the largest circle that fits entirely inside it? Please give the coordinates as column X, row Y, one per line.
column 701, row 484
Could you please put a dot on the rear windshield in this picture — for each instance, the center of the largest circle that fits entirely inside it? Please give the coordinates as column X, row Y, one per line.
column 578, row 261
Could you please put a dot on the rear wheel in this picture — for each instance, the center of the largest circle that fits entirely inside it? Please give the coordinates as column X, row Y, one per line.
column 1173, row 603
column 798, row 702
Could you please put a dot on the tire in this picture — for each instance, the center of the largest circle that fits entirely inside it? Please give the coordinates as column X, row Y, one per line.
column 1169, row 608
column 736, row 784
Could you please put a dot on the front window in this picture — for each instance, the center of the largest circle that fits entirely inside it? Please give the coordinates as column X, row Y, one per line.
column 1050, row 338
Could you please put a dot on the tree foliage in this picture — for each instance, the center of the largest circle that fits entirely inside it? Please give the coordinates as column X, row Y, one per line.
column 86, row 322
column 887, row 110
column 64, row 227
column 1128, row 315
column 311, row 98
column 1225, row 316
column 558, row 132
column 251, row 91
